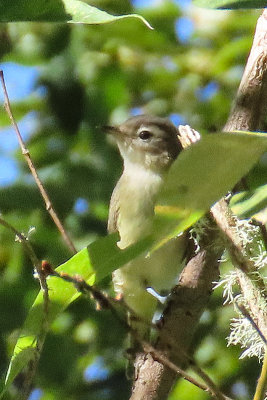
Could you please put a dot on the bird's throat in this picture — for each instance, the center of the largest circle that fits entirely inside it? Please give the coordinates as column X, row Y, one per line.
column 138, row 189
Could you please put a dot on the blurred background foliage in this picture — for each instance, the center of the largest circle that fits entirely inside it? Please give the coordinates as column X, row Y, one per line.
column 64, row 82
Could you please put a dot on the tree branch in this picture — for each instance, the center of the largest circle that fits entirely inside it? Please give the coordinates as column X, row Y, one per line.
column 252, row 287
column 250, row 106
column 179, row 320
column 154, row 380
column 26, row 154
column 109, row 303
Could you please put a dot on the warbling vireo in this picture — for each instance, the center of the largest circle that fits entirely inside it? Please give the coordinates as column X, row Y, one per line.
column 148, row 146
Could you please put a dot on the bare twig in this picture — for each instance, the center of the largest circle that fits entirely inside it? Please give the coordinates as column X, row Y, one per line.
column 81, row 285
column 211, row 388
column 247, row 315
column 154, row 380
column 29, row 250
column 26, row 153
column 255, row 297
column 211, row 385
column 106, row 302
column 180, row 318
column 231, row 227
column 253, row 290
column 228, row 225
column 249, row 113
column 261, row 224
column 32, row 366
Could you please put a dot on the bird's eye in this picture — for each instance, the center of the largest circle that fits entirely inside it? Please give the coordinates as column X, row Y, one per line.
column 145, row 135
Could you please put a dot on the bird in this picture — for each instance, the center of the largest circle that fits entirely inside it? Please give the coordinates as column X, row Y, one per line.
column 148, row 145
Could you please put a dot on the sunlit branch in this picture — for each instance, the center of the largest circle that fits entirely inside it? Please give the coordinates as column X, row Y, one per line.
column 26, row 154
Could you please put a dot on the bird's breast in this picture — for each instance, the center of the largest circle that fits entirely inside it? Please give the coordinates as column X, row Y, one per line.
column 138, row 190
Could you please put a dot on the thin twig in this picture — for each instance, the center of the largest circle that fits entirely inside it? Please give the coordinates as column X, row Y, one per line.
column 103, row 301
column 148, row 348
column 106, row 302
column 211, row 388
column 247, row 315
column 253, row 290
column 248, row 113
column 229, row 225
column 262, row 227
column 209, row 382
column 32, row 366
column 26, row 153
column 29, row 250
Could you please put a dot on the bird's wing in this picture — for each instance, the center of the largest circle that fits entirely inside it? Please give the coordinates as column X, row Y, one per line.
column 114, row 210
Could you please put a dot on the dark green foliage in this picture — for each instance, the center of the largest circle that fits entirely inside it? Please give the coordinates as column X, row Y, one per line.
column 94, row 75
column 230, row 4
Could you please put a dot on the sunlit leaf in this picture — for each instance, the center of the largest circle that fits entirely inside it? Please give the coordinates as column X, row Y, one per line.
column 248, row 204
column 74, row 11
column 202, row 174
column 92, row 264
column 205, row 171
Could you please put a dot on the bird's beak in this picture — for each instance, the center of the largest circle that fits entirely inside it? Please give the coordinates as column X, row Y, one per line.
column 111, row 130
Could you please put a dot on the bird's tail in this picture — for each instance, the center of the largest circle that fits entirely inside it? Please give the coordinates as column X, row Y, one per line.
column 141, row 309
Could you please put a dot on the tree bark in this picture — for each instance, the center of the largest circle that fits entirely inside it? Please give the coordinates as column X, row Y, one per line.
column 154, row 380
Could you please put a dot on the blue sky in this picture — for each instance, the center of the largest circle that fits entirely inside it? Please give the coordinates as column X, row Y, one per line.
column 149, row 3
column 21, row 81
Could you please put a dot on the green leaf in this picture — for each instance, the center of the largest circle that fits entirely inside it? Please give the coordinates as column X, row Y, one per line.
column 201, row 175
column 246, row 204
column 60, row 294
column 21, row 108
column 105, row 255
column 230, row 4
column 205, row 171
column 73, row 11
column 92, row 263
